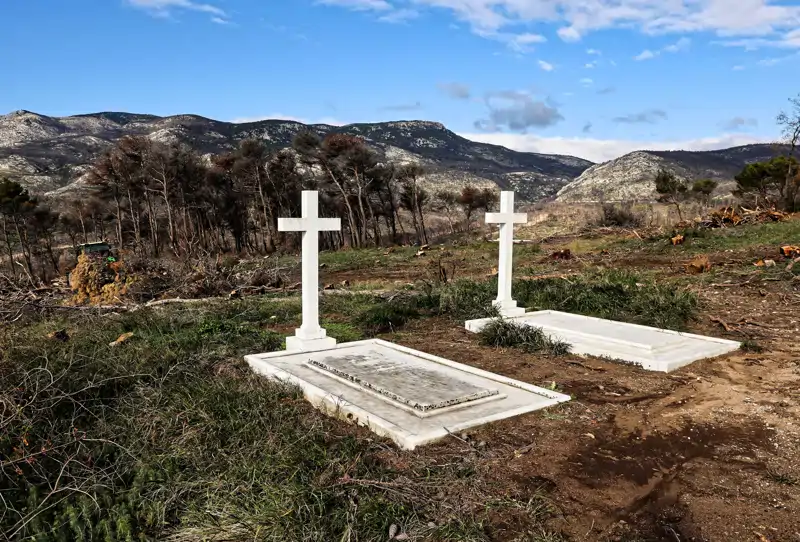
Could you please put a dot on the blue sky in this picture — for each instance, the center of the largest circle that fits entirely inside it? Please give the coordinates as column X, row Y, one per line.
column 592, row 78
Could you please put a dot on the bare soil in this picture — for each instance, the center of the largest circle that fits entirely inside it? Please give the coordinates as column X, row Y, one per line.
column 710, row 452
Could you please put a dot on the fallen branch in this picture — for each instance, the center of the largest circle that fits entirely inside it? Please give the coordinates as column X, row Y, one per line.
column 720, row 322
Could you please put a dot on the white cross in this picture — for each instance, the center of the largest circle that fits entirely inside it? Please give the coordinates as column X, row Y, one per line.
column 310, row 335
column 506, row 218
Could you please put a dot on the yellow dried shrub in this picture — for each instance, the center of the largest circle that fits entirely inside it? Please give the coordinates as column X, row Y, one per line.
column 97, row 282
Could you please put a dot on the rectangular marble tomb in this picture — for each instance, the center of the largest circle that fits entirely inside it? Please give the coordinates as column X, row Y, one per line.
column 409, row 396
column 652, row 348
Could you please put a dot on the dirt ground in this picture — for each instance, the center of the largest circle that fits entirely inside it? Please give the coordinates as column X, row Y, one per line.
column 710, row 452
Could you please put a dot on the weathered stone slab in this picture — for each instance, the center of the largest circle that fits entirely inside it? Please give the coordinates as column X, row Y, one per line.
column 652, row 348
column 406, row 395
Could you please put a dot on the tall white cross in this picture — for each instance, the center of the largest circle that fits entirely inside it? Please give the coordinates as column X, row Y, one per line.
column 506, row 218
column 310, row 336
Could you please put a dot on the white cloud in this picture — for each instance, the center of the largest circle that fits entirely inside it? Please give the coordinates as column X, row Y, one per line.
column 768, row 20
column 164, row 8
column 399, row 16
column 586, row 82
column 546, row 66
column 776, row 60
column 593, row 52
column 601, row 150
column 789, row 40
column 738, row 68
column 359, row 5
column 281, row 116
column 590, row 65
column 680, row 45
column 569, row 33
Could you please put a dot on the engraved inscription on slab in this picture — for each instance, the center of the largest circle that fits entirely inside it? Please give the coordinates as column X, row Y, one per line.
column 422, row 389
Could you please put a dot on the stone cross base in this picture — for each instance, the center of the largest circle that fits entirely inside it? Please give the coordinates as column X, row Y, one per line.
column 508, row 309
column 310, row 345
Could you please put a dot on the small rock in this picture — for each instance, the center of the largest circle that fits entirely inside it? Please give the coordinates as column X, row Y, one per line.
column 769, row 263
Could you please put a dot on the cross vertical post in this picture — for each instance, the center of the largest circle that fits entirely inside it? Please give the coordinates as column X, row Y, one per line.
column 506, row 218
column 310, row 336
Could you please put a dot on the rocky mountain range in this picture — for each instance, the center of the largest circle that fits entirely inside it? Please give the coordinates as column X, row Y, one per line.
column 632, row 177
column 49, row 154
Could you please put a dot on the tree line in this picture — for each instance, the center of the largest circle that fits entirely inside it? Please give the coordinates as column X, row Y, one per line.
column 154, row 198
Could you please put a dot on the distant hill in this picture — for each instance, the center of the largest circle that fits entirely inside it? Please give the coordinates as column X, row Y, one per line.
column 48, row 154
column 632, row 177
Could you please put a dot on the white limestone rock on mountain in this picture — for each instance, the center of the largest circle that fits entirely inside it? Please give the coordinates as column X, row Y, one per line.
column 46, row 154
column 628, row 178
column 632, row 177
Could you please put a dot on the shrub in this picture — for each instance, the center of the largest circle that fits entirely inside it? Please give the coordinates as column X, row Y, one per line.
column 619, row 215
column 98, row 281
column 507, row 333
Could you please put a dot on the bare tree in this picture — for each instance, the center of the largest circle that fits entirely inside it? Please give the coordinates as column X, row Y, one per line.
column 789, row 121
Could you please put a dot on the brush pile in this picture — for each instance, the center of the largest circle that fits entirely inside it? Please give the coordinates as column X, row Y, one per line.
column 725, row 217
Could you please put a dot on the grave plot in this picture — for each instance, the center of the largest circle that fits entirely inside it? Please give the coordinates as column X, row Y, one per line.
column 409, row 396
column 404, row 394
column 651, row 348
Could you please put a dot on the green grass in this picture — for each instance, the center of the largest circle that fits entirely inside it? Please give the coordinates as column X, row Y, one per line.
column 615, row 295
column 468, row 299
column 170, row 432
column 771, row 234
column 386, row 317
column 170, row 435
column 365, row 258
column 501, row 333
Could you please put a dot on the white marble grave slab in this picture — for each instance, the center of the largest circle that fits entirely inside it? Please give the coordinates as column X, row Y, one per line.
column 652, row 348
column 409, row 396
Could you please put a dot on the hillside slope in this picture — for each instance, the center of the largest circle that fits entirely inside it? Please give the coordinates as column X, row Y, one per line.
column 48, row 153
column 632, row 177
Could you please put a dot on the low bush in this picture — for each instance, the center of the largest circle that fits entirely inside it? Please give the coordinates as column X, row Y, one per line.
column 507, row 334
column 619, row 214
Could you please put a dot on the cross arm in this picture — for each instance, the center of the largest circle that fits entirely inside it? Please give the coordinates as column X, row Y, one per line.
column 506, row 218
column 309, row 224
